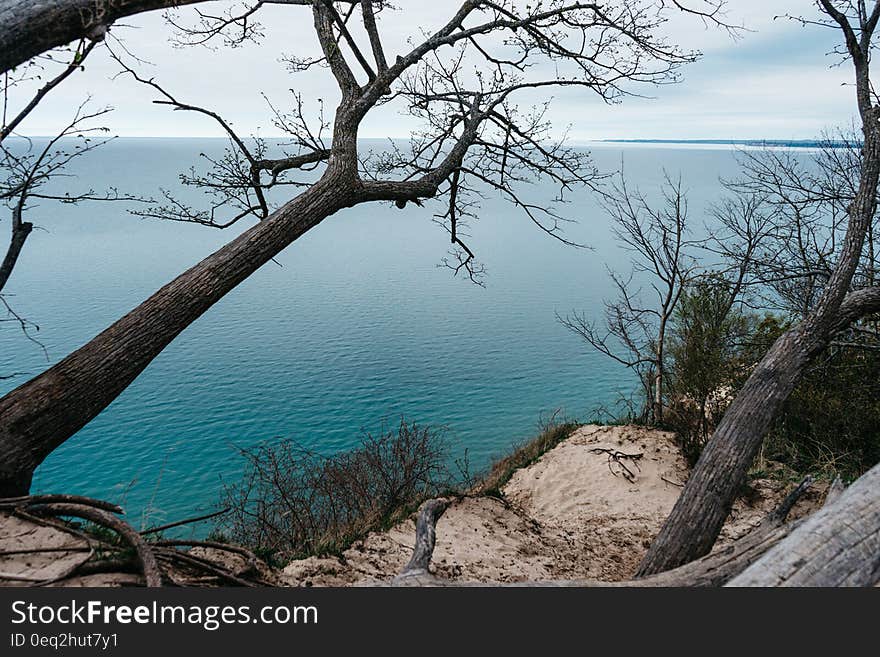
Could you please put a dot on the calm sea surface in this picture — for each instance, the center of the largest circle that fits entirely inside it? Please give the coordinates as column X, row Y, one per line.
column 357, row 326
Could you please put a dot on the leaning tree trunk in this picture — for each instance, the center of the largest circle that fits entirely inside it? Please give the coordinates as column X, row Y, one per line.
column 29, row 28
column 38, row 416
column 693, row 526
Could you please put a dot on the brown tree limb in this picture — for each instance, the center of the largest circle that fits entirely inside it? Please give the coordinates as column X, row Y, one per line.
column 29, row 28
column 180, row 523
column 31, row 500
column 616, row 457
column 369, row 18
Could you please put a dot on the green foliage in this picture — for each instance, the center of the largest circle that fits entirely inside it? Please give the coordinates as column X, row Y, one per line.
column 706, row 357
column 831, row 422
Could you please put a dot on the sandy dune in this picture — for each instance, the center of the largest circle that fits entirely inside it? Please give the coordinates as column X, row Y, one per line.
column 575, row 513
column 588, row 508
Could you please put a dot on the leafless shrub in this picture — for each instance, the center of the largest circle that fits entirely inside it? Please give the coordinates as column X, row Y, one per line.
column 293, row 502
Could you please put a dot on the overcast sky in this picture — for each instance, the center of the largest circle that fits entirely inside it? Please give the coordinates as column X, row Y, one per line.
column 775, row 82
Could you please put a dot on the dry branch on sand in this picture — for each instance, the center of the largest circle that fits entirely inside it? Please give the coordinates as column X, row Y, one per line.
column 616, row 462
column 39, row 548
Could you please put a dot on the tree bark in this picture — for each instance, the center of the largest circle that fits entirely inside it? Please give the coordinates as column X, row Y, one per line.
column 38, row 416
column 20, row 231
column 29, row 28
column 693, row 526
column 837, row 546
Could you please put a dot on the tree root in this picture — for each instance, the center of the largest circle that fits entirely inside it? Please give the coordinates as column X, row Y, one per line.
column 175, row 557
column 251, row 560
column 155, row 560
column 152, row 575
column 33, row 500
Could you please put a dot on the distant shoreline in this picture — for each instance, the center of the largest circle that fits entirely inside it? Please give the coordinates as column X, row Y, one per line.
column 787, row 143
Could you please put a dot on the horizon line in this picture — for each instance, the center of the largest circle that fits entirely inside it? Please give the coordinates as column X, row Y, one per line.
column 597, row 140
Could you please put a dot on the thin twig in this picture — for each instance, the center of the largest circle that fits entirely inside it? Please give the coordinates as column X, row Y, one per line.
column 188, row 521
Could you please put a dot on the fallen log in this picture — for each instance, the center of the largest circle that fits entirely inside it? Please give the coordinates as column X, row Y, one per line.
column 837, row 546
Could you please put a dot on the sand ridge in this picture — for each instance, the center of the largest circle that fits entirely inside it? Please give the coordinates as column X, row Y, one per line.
column 572, row 514
column 586, row 509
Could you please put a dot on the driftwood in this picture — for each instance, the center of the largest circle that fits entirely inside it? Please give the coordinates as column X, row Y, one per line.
column 617, row 458
column 838, row 546
column 426, row 536
column 712, row 570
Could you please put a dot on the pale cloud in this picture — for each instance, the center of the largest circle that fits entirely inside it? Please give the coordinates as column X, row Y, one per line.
column 774, row 82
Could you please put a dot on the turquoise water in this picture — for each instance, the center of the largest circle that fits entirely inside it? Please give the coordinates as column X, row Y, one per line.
column 358, row 325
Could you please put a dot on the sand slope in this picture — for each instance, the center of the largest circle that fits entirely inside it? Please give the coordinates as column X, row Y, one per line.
column 577, row 512
column 572, row 514
column 21, row 564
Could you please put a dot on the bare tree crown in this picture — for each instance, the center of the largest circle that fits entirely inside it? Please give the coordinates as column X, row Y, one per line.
column 470, row 85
